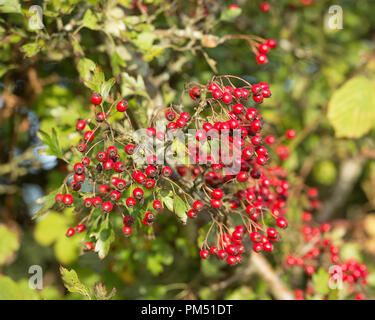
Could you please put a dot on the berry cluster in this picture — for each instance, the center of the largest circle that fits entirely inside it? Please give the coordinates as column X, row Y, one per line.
column 249, row 199
column 318, row 250
column 262, row 50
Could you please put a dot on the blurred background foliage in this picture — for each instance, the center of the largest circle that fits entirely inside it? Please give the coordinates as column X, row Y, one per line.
column 322, row 82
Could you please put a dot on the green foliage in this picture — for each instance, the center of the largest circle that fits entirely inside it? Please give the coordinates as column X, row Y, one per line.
column 9, row 244
column 351, row 109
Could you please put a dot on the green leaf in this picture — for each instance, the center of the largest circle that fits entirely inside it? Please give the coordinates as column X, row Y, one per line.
column 320, row 280
column 104, row 238
column 351, row 109
column 106, row 88
column 9, row 290
column 9, row 244
column 31, row 49
column 48, row 230
column 48, row 201
column 85, row 67
column 52, row 142
column 90, row 21
column 72, row 282
column 10, row 6
column 230, row 14
column 180, row 208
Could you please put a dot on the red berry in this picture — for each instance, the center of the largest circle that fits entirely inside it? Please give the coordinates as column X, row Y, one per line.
column 107, row 206
column 290, row 134
column 127, row 231
column 281, row 222
column 272, row 43
column 215, row 203
column 227, row 97
column 265, row 6
column 80, row 125
column 261, row 58
column 198, row 205
column 97, row 201
column 157, row 205
column 192, row 214
column 96, row 98
column 130, row 202
column 70, row 232
column 122, row 105
column 80, row 228
column 67, row 200
column 204, row 254
column 263, row 48
column 59, row 198
column 217, row 193
column 88, row 136
column 129, row 149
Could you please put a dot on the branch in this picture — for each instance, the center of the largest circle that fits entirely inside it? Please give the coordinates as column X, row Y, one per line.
column 265, row 270
column 350, row 170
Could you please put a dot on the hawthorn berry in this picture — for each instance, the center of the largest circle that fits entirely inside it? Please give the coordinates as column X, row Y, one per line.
column 122, row 105
column 80, row 125
column 67, row 200
column 96, row 98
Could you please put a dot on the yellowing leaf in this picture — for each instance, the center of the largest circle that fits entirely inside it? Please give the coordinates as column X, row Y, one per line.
column 351, row 110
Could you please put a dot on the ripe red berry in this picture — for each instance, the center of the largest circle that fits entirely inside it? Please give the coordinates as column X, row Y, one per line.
column 138, row 193
column 115, row 195
column 82, row 147
column 80, row 228
column 257, row 247
column 107, row 206
column 122, row 105
column 59, row 198
column 217, row 193
column 265, row 6
column 157, row 205
column 130, row 202
column 127, row 231
column 204, row 254
column 67, row 200
column 290, row 134
column 170, row 115
column 263, row 48
column 89, row 246
column 261, row 58
column 80, row 125
column 88, row 136
column 268, row 246
column 227, row 97
column 129, row 149
column 192, row 214
column 97, row 201
column 281, row 222
column 198, row 205
column 167, row 171
column 272, row 43
column 96, row 98
column 215, row 203
column 70, row 232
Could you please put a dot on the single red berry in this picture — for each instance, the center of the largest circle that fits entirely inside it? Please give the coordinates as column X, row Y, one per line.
column 198, row 205
column 67, row 200
column 195, row 93
column 157, row 205
column 127, row 231
column 261, row 58
column 80, row 125
column 122, row 105
column 217, row 93
column 204, row 254
column 257, row 247
column 82, row 147
column 265, row 6
column 107, row 206
column 170, row 115
column 59, row 198
column 149, row 183
column 96, row 98
column 70, row 232
column 192, row 214
column 97, row 201
column 138, row 193
column 89, row 246
column 217, row 193
column 80, row 228
column 282, row 222
column 88, row 136
column 227, row 97
column 215, row 203
column 272, row 43
column 130, row 202
column 167, row 171
column 231, row 260
column 290, row 134
column 263, row 48
column 268, row 246
column 87, row 202
column 129, row 149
